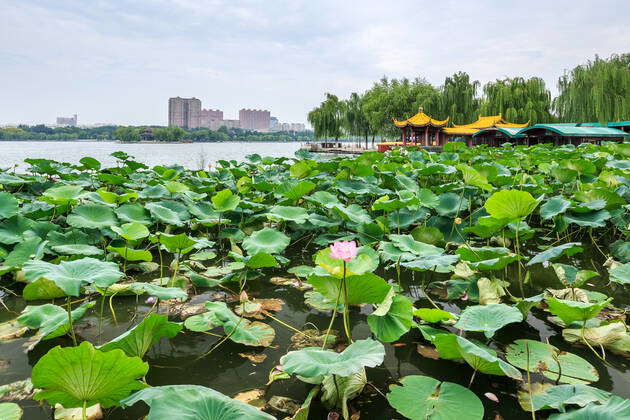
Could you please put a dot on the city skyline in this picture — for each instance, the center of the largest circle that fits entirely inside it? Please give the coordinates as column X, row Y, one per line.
column 114, row 62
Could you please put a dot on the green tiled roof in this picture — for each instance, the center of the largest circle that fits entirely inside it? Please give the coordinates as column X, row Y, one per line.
column 575, row 131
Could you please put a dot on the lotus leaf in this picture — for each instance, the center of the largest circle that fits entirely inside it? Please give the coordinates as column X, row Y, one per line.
column 92, row 216
column 425, row 398
column 78, row 376
column 267, row 240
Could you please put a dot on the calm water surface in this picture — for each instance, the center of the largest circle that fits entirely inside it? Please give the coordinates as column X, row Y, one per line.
column 189, row 155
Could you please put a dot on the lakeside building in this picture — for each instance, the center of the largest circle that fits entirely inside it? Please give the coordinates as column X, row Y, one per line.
column 67, row 121
column 493, row 130
column 255, row 119
column 184, row 112
column 210, row 118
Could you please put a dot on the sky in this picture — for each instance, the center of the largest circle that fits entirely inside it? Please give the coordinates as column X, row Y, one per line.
column 118, row 61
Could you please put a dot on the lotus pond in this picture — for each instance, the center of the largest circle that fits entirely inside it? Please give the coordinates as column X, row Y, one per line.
column 476, row 283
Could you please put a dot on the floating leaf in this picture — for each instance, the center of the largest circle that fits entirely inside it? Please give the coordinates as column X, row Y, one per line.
column 510, row 204
column 10, row 411
column 425, row 398
column 555, row 365
column 92, row 216
column 559, row 396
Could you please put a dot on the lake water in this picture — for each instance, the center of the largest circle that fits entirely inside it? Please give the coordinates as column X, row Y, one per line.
column 189, row 155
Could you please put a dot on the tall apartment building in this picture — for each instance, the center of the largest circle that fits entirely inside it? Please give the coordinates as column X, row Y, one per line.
column 274, row 124
column 184, row 112
column 71, row 121
column 254, row 119
column 210, row 118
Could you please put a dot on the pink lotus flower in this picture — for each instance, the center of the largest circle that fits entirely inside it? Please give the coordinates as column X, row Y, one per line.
column 491, row 397
column 343, row 250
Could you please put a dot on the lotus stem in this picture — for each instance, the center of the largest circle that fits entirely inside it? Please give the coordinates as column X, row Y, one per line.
column 287, row 325
column 589, row 344
column 111, row 308
column 72, row 334
column 84, row 410
column 332, row 319
column 529, row 382
column 518, row 254
column 346, row 312
column 472, row 378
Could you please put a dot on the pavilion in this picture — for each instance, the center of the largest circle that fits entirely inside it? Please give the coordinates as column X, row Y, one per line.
column 490, row 124
column 421, row 129
column 572, row 133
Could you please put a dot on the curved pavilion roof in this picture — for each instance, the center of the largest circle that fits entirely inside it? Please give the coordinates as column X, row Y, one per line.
column 572, row 130
column 511, row 132
column 490, row 121
column 420, row 120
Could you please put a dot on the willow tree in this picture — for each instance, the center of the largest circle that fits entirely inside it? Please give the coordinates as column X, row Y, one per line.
column 356, row 122
column 518, row 100
column 457, row 99
column 397, row 99
column 327, row 118
column 596, row 91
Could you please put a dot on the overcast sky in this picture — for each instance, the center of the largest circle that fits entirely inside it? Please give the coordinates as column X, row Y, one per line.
column 118, row 61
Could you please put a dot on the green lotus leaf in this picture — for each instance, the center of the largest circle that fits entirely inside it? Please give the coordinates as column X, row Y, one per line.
column 77, row 249
column 570, row 276
column 63, row 194
column 299, row 190
column 570, row 311
column 318, row 301
column 324, row 198
column 69, row 276
column 560, row 396
column 479, row 357
column 510, row 204
column 365, row 261
column 8, row 205
column 15, row 229
column 160, row 292
column 353, row 213
column 546, row 359
column 10, row 411
column 240, row 330
column 225, row 200
column 287, row 213
column 487, row 258
column 133, row 213
column 433, row 315
column 488, row 318
column 568, row 249
column 337, row 391
column 32, row 248
column 92, row 216
column 553, row 207
column 261, row 260
column 364, row 288
column 424, row 398
column 313, row 363
column 51, row 320
column 42, row 289
column 78, row 376
column 427, row 234
column 439, row 263
column 620, row 274
column 615, row 408
column 138, row 340
column 267, row 240
column 163, row 214
column 472, row 177
column 395, row 322
column 180, row 243
column 132, row 231
column 451, row 204
column 193, row 402
column 592, row 219
column 131, row 254
column 407, row 243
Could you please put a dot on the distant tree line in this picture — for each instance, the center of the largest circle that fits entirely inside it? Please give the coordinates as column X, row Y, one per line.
column 596, row 91
column 146, row 133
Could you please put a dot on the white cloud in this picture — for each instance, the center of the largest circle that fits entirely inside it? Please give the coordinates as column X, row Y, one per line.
column 119, row 61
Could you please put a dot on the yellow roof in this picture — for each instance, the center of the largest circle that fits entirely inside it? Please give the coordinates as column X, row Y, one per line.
column 490, row 121
column 464, row 131
column 420, row 120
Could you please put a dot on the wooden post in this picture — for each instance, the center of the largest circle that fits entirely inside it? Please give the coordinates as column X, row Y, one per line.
column 404, row 135
column 426, row 135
